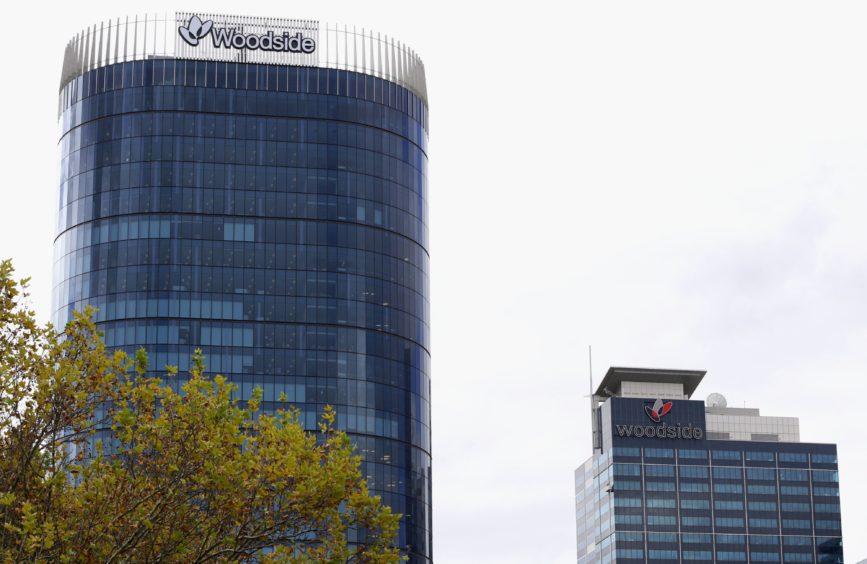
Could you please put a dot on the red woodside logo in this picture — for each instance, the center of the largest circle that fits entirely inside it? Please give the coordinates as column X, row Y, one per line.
column 658, row 410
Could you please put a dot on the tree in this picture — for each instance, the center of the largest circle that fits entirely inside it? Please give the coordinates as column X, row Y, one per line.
column 188, row 477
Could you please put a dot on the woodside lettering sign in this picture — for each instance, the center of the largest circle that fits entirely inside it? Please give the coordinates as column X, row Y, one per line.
column 231, row 38
column 664, row 431
column 655, row 413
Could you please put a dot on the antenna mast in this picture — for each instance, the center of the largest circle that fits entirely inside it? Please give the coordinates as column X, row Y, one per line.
column 593, row 423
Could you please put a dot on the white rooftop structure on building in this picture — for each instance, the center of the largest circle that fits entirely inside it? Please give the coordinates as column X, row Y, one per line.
column 723, row 422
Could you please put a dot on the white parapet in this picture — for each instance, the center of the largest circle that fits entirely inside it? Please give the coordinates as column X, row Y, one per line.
column 748, row 425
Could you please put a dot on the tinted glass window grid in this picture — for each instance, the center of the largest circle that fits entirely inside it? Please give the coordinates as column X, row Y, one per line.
column 106, row 173
column 129, row 76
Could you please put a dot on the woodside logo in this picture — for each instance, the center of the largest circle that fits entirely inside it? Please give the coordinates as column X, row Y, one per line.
column 230, row 38
column 658, row 410
column 195, row 30
column 663, row 431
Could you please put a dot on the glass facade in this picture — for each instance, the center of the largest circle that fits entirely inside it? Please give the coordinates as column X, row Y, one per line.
column 710, row 501
column 276, row 217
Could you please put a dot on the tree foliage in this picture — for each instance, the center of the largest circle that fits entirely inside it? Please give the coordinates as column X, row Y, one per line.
column 189, row 477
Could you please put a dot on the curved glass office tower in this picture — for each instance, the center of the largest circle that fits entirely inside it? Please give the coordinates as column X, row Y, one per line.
column 258, row 188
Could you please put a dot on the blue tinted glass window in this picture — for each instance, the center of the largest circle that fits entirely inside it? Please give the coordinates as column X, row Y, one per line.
column 693, row 472
column 727, row 472
column 758, row 556
column 728, row 505
column 627, row 470
column 796, row 523
column 661, row 520
column 656, row 554
column 629, row 485
column 825, row 476
column 793, row 475
column 794, row 490
column 729, row 522
column 756, row 522
column 763, row 489
column 627, row 501
column 660, row 486
column 825, row 491
column 694, row 487
column 658, row 470
column 764, row 540
column 694, row 504
column 628, row 519
column 797, row 557
column 695, row 521
column 728, row 488
column 761, row 474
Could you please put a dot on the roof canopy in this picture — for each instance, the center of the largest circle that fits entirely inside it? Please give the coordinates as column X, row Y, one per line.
column 616, row 375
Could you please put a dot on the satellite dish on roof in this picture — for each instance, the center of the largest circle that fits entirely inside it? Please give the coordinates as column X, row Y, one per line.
column 716, row 400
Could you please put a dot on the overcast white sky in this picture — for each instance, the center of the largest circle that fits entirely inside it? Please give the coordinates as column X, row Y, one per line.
column 679, row 184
